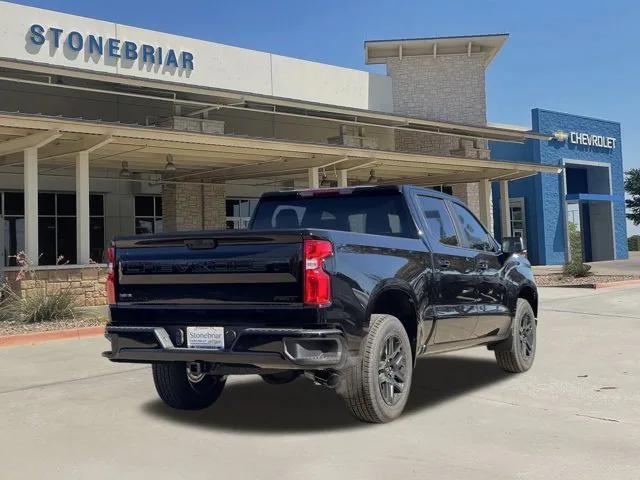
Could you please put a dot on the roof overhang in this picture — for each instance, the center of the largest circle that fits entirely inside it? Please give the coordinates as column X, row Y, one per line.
column 379, row 51
column 222, row 158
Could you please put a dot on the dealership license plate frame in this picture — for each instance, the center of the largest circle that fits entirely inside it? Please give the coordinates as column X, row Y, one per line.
column 208, row 338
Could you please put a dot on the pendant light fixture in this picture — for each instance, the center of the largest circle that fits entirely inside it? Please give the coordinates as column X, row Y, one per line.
column 124, row 171
column 170, row 166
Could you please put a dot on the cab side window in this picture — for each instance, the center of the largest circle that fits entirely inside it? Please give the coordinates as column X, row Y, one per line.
column 473, row 233
column 438, row 221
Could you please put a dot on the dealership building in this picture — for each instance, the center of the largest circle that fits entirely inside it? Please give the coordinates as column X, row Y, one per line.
column 108, row 129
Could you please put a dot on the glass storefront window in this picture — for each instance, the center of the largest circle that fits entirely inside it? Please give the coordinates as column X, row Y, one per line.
column 148, row 214
column 56, row 227
column 239, row 211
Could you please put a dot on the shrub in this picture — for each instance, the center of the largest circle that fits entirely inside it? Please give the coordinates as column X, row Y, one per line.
column 575, row 242
column 634, row 243
column 576, row 269
column 39, row 305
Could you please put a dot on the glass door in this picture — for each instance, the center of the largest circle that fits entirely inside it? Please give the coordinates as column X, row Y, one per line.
column 574, row 231
column 518, row 223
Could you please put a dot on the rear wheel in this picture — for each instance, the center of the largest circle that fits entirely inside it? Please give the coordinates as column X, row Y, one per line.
column 377, row 387
column 181, row 389
column 520, row 350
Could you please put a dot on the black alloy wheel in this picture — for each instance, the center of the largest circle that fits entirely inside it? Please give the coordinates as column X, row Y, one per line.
column 392, row 370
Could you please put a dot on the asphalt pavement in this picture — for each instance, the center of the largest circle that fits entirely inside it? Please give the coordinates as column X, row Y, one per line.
column 67, row 413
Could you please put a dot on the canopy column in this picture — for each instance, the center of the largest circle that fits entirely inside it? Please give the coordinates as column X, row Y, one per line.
column 342, row 178
column 31, row 248
column 314, row 179
column 485, row 203
column 82, row 208
column 505, row 209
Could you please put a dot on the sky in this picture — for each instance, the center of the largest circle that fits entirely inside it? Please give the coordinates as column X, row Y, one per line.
column 581, row 57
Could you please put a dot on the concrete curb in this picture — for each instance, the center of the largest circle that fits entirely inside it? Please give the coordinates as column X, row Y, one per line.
column 41, row 337
column 621, row 283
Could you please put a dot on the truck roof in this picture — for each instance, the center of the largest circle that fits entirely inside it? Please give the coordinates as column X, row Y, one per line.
column 355, row 190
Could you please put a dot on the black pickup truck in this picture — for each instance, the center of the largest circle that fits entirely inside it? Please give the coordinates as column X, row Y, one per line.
column 347, row 286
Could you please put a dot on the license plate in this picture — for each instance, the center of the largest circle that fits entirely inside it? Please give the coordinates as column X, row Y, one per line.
column 205, row 337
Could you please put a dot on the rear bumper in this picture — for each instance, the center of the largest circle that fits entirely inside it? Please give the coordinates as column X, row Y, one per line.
column 262, row 348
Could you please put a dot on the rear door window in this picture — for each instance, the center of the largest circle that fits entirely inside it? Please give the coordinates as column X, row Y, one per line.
column 438, row 220
column 473, row 233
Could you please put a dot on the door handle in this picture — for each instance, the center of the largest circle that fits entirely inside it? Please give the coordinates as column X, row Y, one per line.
column 444, row 263
column 483, row 265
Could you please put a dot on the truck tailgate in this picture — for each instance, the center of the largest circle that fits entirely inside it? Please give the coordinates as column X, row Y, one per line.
column 210, row 268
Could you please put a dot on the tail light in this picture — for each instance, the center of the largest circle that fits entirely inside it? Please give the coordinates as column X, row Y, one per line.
column 110, row 285
column 317, row 283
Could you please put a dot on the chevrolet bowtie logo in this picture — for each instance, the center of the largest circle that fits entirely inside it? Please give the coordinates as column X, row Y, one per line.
column 560, row 136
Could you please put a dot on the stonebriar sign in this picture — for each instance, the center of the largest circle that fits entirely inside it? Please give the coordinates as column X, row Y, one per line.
column 111, row 48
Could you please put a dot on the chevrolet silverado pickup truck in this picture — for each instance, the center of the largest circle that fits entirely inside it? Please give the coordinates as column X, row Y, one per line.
column 346, row 286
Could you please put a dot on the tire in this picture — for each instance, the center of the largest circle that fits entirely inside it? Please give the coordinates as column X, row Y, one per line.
column 180, row 390
column 519, row 350
column 369, row 396
column 280, row 378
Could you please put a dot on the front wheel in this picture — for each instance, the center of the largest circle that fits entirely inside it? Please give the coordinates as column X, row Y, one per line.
column 181, row 389
column 520, row 350
column 377, row 387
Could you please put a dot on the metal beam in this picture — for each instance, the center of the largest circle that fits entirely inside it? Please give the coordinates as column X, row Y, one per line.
column 271, row 169
column 11, row 160
column 201, row 111
column 35, row 140
column 88, row 144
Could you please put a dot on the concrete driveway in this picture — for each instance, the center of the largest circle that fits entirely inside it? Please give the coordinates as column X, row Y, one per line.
column 68, row 414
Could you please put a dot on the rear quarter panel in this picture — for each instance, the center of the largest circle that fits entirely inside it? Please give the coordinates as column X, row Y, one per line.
column 365, row 266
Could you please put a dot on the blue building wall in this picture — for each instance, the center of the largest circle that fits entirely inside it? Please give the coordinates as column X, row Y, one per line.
column 543, row 193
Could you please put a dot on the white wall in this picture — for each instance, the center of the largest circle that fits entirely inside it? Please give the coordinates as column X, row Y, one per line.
column 215, row 65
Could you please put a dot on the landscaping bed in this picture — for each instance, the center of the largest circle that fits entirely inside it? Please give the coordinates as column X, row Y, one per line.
column 559, row 280
column 17, row 327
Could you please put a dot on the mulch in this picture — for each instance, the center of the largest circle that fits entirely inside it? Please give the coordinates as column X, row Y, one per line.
column 16, row 328
column 557, row 280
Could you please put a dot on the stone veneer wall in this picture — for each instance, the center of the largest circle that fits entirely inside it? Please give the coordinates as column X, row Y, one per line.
column 448, row 88
column 215, row 210
column 85, row 282
column 193, row 206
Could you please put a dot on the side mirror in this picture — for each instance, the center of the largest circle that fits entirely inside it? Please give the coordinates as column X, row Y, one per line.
column 511, row 245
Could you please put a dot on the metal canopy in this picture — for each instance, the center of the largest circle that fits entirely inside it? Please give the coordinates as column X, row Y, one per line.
column 221, row 158
column 379, row 51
